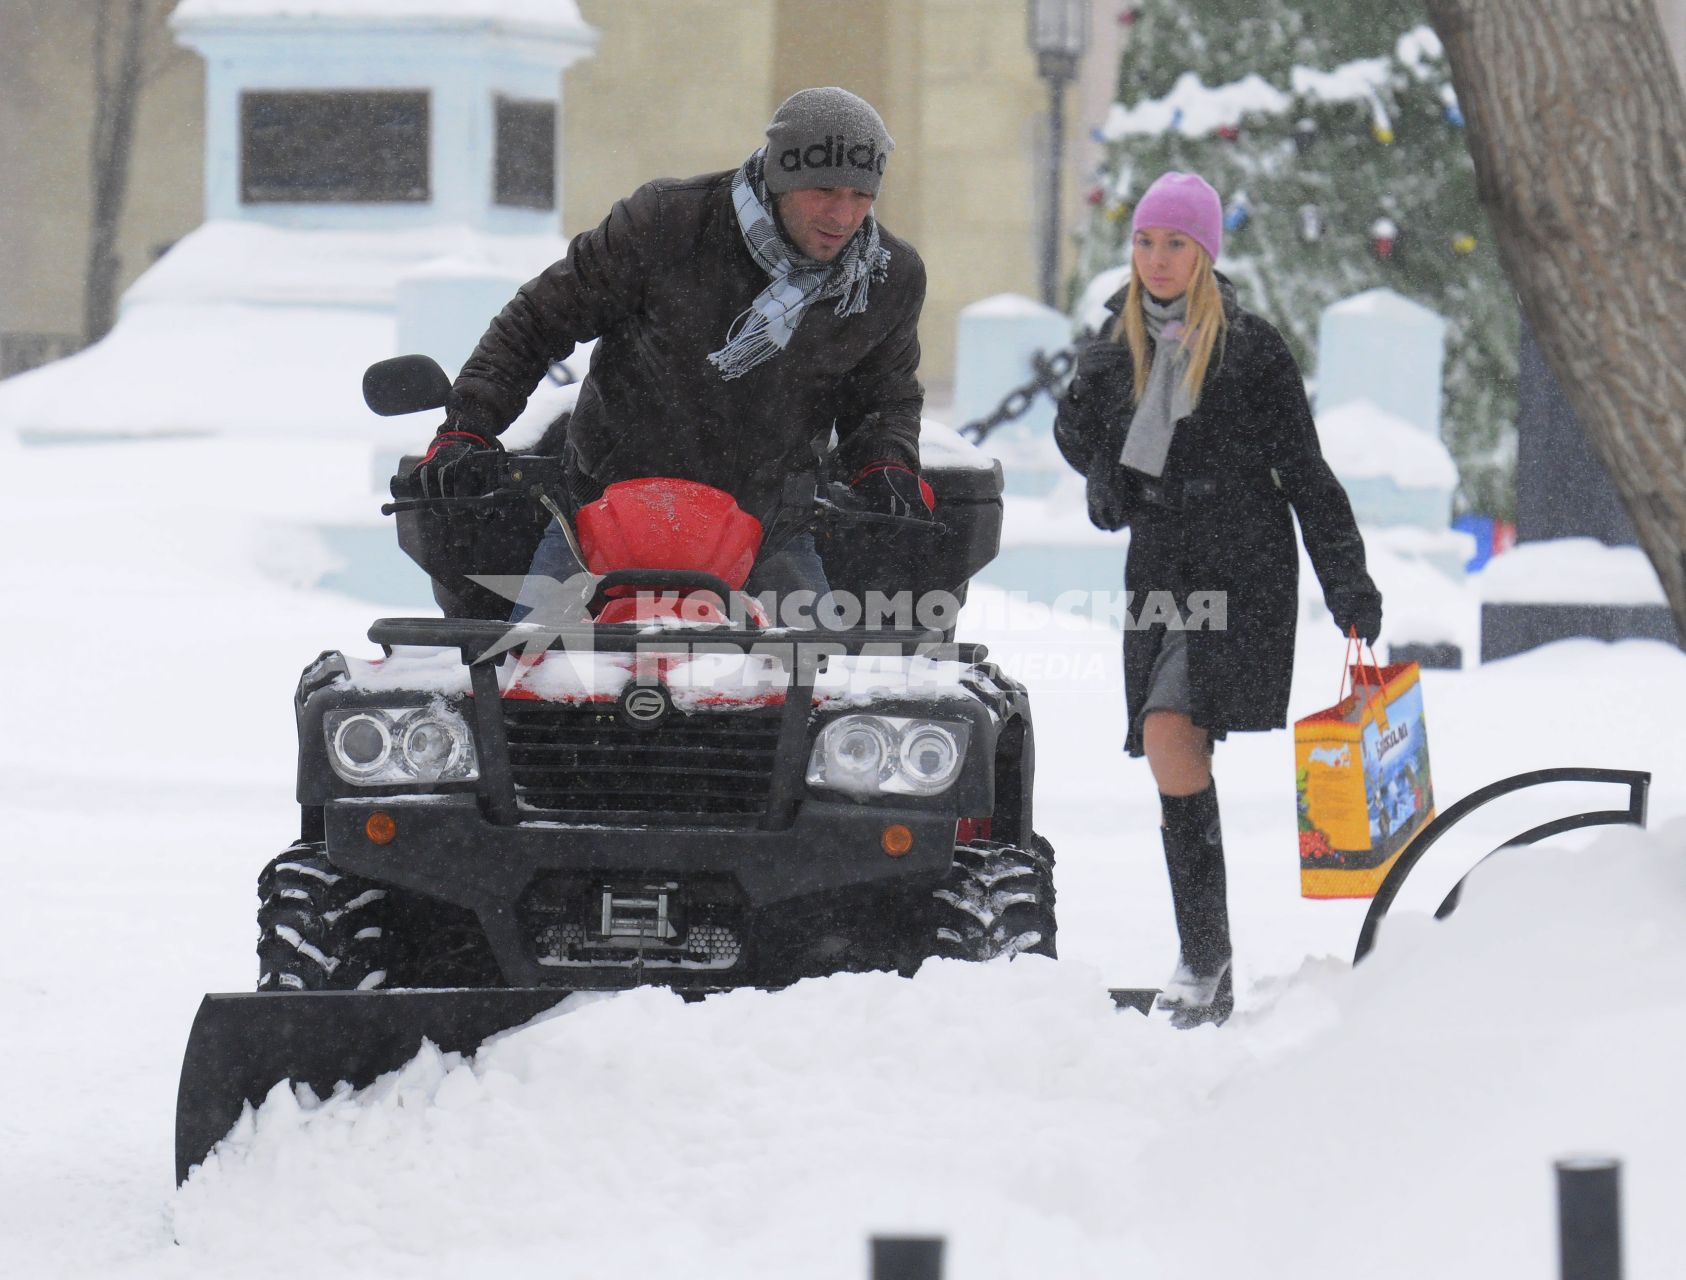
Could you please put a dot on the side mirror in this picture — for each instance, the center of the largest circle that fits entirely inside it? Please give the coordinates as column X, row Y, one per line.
column 405, row 384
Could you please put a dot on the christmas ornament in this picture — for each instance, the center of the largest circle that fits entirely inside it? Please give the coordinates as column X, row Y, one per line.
column 1464, row 243
column 1177, row 118
column 1382, row 134
column 1097, row 134
column 1239, row 211
column 1117, row 212
column 1096, row 196
column 1384, row 238
column 1305, row 133
column 1311, row 223
column 1229, row 132
column 1454, row 115
column 1128, row 17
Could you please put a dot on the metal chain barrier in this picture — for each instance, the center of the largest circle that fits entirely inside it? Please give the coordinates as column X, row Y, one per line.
column 1051, row 373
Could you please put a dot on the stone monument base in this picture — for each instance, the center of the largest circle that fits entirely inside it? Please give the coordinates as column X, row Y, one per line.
column 1511, row 627
column 1437, row 657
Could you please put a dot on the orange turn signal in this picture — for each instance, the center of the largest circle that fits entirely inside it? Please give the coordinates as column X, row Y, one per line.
column 380, row 828
column 896, row 840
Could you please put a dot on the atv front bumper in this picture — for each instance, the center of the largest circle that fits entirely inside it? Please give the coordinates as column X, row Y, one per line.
column 444, row 847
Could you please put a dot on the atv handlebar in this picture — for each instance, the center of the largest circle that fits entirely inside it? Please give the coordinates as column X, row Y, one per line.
column 497, row 498
column 840, row 503
column 525, row 478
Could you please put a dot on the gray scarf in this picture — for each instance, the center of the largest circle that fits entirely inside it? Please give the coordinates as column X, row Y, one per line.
column 1166, row 400
column 797, row 281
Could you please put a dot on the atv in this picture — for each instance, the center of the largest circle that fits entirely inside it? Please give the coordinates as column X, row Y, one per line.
column 663, row 787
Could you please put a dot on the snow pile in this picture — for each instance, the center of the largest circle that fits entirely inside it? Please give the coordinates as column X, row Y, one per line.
column 256, row 264
column 1362, row 441
column 774, row 1131
column 939, row 1104
column 1421, row 604
column 1007, row 306
column 1414, row 1134
column 1091, row 312
column 1571, row 571
column 1060, row 519
column 250, row 329
column 289, row 372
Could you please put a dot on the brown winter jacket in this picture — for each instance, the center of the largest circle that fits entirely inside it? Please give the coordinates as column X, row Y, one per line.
column 659, row 284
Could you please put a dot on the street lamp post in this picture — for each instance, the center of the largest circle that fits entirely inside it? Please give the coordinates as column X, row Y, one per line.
column 1059, row 32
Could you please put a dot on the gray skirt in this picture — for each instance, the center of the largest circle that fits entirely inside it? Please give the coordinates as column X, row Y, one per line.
column 1167, row 683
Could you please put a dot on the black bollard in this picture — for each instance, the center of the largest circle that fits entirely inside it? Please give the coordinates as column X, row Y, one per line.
column 1589, row 1220
column 907, row 1258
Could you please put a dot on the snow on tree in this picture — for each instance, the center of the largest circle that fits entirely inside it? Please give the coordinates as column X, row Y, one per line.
column 1334, row 137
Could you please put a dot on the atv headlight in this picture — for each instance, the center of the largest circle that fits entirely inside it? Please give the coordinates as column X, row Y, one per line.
column 361, row 744
column 887, row 755
column 375, row 746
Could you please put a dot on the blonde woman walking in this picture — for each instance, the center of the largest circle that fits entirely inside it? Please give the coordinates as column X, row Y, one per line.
column 1188, row 417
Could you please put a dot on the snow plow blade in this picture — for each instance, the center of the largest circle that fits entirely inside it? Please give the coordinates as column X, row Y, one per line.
column 243, row 1044
column 1138, row 998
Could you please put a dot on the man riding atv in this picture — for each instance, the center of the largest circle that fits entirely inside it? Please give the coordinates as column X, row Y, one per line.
column 656, row 792
column 740, row 318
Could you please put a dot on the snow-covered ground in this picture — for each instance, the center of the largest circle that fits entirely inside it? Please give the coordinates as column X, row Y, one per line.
column 1397, row 1120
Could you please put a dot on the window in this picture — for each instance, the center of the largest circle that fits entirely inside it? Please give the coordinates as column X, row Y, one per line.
column 525, row 167
column 334, row 147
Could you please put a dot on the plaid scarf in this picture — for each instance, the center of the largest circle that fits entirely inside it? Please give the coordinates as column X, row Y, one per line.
column 796, row 281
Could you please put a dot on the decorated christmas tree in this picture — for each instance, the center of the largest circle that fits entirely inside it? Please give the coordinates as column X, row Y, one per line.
column 1331, row 130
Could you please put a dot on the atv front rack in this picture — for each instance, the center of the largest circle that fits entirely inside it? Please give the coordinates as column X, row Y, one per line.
column 803, row 654
column 478, row 638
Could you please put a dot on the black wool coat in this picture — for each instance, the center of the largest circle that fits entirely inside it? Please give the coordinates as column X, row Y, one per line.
column 658, row 284
column 1237, row 464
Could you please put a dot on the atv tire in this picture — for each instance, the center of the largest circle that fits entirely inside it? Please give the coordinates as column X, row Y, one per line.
column 998, row 900
column 319, row 929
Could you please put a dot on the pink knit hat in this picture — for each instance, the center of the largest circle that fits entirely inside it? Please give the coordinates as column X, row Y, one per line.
column 1183, row 202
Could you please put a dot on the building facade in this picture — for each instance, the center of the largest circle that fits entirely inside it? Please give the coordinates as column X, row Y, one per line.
column 676, row 87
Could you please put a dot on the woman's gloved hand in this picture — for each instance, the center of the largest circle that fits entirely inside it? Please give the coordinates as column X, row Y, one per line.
column 1110, row 506
column 1358, row 610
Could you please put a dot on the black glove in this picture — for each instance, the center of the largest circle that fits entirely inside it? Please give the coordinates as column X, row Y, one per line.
column 893, row 490
column 1359, row 611
column 1110, row 504
column 459, row 463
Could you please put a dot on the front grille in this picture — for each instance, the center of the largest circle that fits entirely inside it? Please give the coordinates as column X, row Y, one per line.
column 582, row 760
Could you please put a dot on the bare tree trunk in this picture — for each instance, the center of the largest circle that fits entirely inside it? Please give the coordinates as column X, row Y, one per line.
column 116, row 94
column 1577, row 124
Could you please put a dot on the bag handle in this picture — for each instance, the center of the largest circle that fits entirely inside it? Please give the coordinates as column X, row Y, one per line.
column 1357, row 648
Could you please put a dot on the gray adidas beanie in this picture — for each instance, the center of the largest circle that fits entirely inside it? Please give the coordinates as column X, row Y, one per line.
column 826, row 138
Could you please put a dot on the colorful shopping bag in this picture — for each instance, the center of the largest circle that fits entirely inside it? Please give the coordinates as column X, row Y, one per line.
column 1362, row 778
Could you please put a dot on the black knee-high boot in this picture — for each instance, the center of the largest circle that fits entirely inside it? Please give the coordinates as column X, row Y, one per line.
column 1194, row 857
